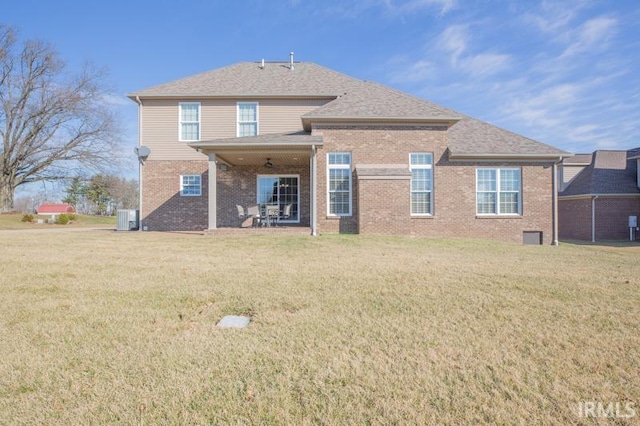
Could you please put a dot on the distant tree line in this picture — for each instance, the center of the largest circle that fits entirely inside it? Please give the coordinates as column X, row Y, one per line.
column 102, row 194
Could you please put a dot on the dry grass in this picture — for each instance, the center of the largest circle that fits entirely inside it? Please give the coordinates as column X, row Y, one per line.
column 14, row 221
column 99, row 327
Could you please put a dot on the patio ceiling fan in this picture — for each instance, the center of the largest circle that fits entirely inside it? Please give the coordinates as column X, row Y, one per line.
column 268, row 164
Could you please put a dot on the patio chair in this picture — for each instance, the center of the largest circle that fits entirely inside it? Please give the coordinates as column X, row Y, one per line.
column 241, row 214
column 286, row 214
column 254, row 213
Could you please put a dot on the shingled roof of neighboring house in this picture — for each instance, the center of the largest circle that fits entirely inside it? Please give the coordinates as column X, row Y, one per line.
column 578, row 160
column 354, row 99
column 55, row 208
column 610, row 172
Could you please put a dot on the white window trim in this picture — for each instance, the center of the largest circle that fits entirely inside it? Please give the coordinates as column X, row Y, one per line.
column 238, row 122
column 421, row 166
column 180, row 138
column 275, row 175
column 498, row 191
column 340, row 166
column 182, row 186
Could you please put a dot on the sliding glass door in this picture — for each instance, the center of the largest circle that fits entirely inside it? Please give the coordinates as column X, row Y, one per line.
column 280, row 190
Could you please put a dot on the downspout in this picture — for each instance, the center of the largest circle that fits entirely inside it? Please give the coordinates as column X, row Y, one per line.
column 555, row 202
column 313, row 190
column 593, row 219
column 140, row 228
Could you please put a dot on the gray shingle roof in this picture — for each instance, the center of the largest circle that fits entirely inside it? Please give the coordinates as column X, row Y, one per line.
column 249, row 79
column 610, row 172
column 354, row 99
column 373, row 100
column 578, row 159
column 471, row 136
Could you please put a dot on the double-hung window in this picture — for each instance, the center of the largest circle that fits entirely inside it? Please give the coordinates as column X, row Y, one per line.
column 247, row 119
column 339, row 183
column 498, row 191
column 190, row 185
column 421, row 164
column 189, row 121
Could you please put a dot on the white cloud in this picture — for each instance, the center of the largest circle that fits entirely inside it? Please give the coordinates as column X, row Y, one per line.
column 593, row 34
column 418, row 71
column 453, row 40
column 552, row 17
column 445, row 6
column 485, row 64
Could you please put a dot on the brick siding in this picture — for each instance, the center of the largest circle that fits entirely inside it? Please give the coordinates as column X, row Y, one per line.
column 574, row 219
column 379, row 206
column 163, row 208
column 454, row 188
column 612, row 218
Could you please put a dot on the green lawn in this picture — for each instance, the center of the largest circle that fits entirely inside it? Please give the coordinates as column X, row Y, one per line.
column 100, row 327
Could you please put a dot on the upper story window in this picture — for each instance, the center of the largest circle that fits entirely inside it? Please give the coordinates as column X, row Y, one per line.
column 498, row 191
column 339, row 183
column 247, row 119
column 421, row 164
column 189, row 121
column 190, row 185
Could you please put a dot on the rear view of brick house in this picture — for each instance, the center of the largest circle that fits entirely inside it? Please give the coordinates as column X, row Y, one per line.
column 348, row 155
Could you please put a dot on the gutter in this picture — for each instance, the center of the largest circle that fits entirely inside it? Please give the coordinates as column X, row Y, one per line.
column 555, row 202
column 504, row 156
column 593, row 218
column 139, row 102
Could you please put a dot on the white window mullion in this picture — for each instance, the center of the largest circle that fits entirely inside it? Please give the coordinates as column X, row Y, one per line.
column 247, row 116
column 339, row 184
column 421, row 165
column 189, row 121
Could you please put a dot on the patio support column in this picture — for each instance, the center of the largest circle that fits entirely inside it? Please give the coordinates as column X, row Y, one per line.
column 313, row 190
column 213, row 183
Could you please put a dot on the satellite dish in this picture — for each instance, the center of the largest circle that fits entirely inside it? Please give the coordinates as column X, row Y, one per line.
column 142, row 152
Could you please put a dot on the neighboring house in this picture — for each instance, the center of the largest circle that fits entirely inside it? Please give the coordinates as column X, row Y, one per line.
column 55, row 208
column 351, row 156
column 602, row 192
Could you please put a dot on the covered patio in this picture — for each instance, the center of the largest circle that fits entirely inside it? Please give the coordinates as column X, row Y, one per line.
column 265, row 170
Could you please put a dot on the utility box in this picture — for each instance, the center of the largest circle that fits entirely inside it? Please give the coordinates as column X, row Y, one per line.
column 127, row 220
column 633, row 221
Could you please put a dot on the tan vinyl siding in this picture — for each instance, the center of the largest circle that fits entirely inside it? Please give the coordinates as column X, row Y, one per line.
column 160, row 132
column 277, row 116
column 218, row 120
column 568, row 173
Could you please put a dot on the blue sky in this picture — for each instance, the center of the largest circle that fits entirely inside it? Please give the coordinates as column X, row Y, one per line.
column 564, row 72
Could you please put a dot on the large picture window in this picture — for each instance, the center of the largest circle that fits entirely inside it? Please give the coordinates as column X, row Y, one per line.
column 421, row 164
column 189, row 121
column 190, row 185
column 339, row 183
column 498, row 191
column 247, row 119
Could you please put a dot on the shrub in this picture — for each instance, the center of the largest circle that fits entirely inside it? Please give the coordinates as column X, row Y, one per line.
column 72, row 217
column 62, row 219
column 27, row 218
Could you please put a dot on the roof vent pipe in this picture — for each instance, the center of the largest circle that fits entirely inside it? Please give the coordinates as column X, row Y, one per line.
column 262, row 64
column 291, row 61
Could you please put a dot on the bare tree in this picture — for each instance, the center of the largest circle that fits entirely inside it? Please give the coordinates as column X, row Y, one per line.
column 51, row 124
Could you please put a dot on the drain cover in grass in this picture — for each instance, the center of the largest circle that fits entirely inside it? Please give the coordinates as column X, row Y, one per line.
column 234, row 321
